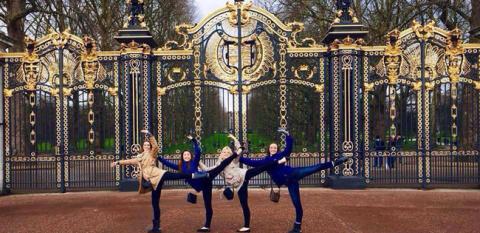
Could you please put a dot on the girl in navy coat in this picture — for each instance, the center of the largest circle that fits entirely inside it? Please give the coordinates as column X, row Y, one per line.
column 283, row 174
column 189, row 165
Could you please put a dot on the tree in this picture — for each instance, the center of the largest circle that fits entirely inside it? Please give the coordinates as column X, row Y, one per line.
column 379, row 16
column 100, row 19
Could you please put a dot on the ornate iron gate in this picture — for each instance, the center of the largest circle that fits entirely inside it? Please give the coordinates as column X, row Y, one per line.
column 70, row 109
column 56, row 135
column 429, row 82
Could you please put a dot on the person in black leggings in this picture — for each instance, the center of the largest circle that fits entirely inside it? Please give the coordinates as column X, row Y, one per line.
column 204, row 185
column 290, row 176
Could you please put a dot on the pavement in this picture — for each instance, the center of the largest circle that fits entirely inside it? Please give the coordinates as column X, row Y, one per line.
column 325, row 210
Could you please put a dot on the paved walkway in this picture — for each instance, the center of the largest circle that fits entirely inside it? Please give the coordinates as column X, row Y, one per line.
column 325, row 210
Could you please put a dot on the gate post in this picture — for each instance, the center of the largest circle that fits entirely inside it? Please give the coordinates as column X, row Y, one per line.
column 135, row 69
column 5, row 43
column 345, row 39
column 2, row 162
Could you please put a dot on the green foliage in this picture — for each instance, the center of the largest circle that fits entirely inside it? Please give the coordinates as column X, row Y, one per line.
column 257, row 142
column 210, row 144
column 45, row 147
column 409, row 145
column 81, row 144
column 108, row 143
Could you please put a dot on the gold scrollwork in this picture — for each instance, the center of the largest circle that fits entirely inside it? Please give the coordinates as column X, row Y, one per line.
column 454, row 55
column 393, row 56
column 182, row 30
column 246, row 89
column 296, row 28
column 423, row 32
column 8, row 92
column 417, row 86
column 352, row 14
column 91, row 67
column 347, row 41
column 59, row 39
column 476, row 85
column 177, row 71
column 134, row 47
column 66, row 91
column 233, row 90
column 429, row 85
column 113, row 91
column 31, row 67
column 368, row 87
column 244, row 14
column 338, row 15
column 161, row 91
column 263, row 62
column 319, row 88
column 304, row 69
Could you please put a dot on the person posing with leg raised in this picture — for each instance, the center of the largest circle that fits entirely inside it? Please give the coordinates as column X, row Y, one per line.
column 283, row 174
column 188, row 164
column 151, row 177
column 238, row 178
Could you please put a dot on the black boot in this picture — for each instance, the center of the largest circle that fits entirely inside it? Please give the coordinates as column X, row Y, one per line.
column 156, row 227
column 297, row 228
column 340, row 160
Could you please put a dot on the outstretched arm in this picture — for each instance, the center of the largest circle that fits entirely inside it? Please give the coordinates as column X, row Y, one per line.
column 168, row 163
column 196, row 150
column 134, row 161
column 288, row 148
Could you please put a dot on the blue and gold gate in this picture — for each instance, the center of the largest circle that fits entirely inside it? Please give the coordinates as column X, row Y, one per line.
column 421, row 109
column 405, row 113
column 56, row 133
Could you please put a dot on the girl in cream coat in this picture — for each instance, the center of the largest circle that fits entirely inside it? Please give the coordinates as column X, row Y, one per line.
column 150, row 172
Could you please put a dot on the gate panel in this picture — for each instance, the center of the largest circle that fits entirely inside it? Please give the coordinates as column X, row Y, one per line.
column 31, row 109
column 33, row 164
column 392, row 112
column 263, row 117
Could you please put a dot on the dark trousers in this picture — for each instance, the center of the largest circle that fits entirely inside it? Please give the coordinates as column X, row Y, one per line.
column 207, row 201
column 294, row 188
column 243, row 191
column 157, row 192
column 207, row 189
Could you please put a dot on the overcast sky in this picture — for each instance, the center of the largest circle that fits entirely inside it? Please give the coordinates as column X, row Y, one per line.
column 205, row 7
